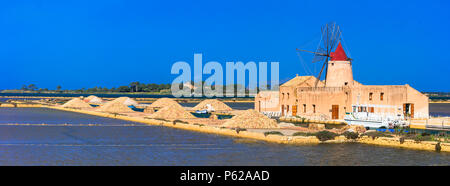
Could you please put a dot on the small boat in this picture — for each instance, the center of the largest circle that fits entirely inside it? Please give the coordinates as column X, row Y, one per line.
column 201, row 111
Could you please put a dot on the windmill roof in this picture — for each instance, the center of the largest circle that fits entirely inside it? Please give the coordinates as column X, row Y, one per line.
column 339, row 54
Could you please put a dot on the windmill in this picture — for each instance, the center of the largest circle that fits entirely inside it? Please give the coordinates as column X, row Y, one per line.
column 331, row 36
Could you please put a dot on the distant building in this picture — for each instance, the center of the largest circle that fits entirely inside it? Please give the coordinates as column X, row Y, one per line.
column 340, row 95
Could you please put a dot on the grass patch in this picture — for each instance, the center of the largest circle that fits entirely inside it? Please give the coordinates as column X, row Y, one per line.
column 239, row 130
column 198, row 124
column 161, row 119
column 304, row 134
column 178, row 121
column 377, row 134
column 419, row 137
column 273, row 133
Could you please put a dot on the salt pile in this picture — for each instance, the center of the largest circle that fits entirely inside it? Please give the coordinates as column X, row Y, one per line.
column 160, row 103
column 172, row 112
column 251, row 119
column 93, row 99
column 216, row 105
column 114, row 107
column 126, row 101
column 163, row 102
column 76, row 103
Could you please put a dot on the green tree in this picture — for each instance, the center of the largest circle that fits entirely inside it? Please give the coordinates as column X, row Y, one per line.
column 58, row 88
column 124, row 89
column 32, row 87
column 134, row 86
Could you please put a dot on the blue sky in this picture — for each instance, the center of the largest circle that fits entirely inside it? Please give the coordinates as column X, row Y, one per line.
column 110, row 43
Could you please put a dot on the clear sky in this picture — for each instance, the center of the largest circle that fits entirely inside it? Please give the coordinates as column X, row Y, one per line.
column 82, row 44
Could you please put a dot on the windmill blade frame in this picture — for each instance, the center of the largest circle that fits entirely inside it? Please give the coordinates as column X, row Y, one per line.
column 330, row 36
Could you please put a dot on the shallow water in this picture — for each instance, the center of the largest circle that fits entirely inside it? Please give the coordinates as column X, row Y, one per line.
column 117, row 142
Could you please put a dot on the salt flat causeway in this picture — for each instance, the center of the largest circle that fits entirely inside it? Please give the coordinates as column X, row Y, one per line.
column 70, row 141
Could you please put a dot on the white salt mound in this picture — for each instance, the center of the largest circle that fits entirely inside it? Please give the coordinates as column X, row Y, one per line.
column 76, row 103
column 216, row 104
column 172, row 112
column 93, row 99
column 114, row 107
column 251, row 119
column 126, row 101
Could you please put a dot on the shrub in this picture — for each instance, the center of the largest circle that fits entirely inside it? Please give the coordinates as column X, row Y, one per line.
column 326, row 135
column 438, row 147
column 402, row 140
column 351, row 135
column 240, row 129
column 178, row 121
column 304, row 134
column 273, row 133
column 303, row 120
column 198, row 124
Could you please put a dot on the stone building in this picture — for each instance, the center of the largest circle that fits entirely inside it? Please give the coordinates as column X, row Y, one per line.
column 340, row 95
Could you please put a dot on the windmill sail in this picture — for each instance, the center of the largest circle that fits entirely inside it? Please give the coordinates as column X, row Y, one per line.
column 331, row 35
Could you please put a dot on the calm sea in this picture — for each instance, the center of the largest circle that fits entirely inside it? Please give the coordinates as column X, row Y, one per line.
column 68, row 140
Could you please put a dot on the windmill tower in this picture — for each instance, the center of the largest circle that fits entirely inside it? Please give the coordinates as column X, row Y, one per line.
column 339, row 71
column 338, row 68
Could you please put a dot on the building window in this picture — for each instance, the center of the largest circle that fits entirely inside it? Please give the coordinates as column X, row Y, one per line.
column 314, row 108
column 370, row 96
column 381, row 96
column 282, row 95
column 304, row 108
column 288, row 95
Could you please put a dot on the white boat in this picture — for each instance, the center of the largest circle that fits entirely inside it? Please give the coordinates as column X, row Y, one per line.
column 371, row 120
column 365, row 123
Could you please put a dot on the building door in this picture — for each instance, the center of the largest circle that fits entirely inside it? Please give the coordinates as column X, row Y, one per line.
column 408, row 110
column 405, row 111
column 334, row 111
column 259, row 106
column 294, row 110
column 282, row 110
